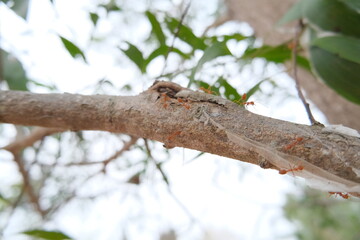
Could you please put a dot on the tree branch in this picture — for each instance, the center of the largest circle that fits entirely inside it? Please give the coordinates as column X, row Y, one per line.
column 298, row 32
column 35, row 135
column 329, row 160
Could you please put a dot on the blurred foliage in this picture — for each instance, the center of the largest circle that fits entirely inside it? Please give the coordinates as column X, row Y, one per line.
column 276, row 54
column 46, row 235
column 72, row 48
column 20, row 7
column 317, row 215
column 334, row 42
column 13, row 72
column 335, row 58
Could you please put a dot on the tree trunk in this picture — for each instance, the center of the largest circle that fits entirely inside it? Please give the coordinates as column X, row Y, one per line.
column 180, row 117
column 262, row 15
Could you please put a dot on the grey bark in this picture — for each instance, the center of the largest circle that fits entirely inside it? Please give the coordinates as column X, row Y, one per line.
column 180, row 117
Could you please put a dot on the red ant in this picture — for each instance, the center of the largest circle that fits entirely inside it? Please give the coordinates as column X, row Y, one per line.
column 291, row 45
column 207, row 90
column 343, row 195
column 243, row 97
column 243, row 101
column 165, row 99
column 249, row 103
column 173, row 135
column 184, row 103
column 291, row 145
column 284, row 171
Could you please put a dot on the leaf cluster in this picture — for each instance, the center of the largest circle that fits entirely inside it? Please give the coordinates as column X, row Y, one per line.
column 334, row 44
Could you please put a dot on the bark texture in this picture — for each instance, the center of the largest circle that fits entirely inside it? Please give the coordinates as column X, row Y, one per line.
column 180, row 117
column 262, row 15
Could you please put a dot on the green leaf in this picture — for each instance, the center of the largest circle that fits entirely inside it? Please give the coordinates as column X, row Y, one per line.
column 277, row 54
column 254, row 89
column 111, row 6
column 235, row 36
column 163, row 50
column 230, row 92
column 160, row 51
column 135, row 55
column 333, row 16
column 346, row 47
column 14, row 72
column 354, row 4
column 48, row 235
column 50, row 87
column 340, row 74
column 304, row 63
column 72, row 48
column 19, row 7
column 185, row 33
column 224, row 38
column 156, row 28
column 94, row 18
column 339, row 16
column 294, row 13
column 216, row 50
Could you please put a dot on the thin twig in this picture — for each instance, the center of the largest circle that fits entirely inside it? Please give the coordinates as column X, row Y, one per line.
column 36, row 134
column 158, row 166
column 298, row 31
column 33, row 197
column 14, row 205
column 126, row 147
column 175, row 37
column 16, row 148
column 105, row 162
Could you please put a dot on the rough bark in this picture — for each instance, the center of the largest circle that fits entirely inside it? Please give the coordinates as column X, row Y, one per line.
column 263, row 15
column 180, row 117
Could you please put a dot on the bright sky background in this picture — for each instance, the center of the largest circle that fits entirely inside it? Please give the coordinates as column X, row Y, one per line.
column 228, row 199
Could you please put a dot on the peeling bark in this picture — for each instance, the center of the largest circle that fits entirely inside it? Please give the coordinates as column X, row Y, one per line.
column 179, row 117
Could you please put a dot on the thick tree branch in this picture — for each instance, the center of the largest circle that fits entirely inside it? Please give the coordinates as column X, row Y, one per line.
column 180, row 117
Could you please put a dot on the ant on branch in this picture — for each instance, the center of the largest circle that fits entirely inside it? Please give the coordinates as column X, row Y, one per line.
column 249, row 103
column 165, row 99
column 292, row 144
column 184, row 103
column 284, row 171
column 343, row 195
column 242, row 101
column 173, row 135
column 207, row 90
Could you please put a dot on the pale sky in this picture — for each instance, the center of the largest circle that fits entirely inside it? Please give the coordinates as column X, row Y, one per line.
column 225, row 197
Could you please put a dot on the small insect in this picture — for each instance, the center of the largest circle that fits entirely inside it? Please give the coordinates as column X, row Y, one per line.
column 165, row 99
column 207, row 90
column 292, row 144
column 173, row 135
column 242, row 101
column 184, row 103
column 249, row 103
column 291, row 45
column 343, row 195
column 285, row 171
column 243, row 97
